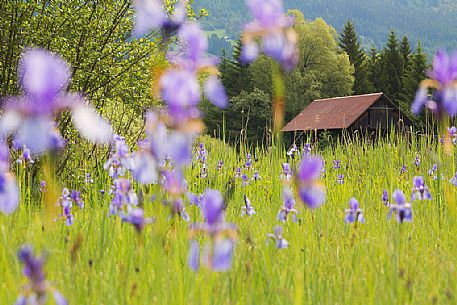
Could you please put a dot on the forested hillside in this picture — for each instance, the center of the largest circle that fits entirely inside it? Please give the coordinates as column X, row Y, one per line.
column 433, row 22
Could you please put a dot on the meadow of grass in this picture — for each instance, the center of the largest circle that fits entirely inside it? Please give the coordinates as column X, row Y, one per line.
column 100, row 260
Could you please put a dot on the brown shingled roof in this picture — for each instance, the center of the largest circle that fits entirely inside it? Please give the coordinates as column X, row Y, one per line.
column 332, row 113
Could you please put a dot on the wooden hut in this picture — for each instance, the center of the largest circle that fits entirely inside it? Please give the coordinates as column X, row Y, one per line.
column 366, row 112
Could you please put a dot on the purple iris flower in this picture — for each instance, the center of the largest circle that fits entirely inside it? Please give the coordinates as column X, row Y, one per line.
column 194, row 256
column 417, row 161
column 385, row 198
column 218, row 252
column 307, row 150
column 88, row 179
column 66, row 201
column 213, row 207
column 150, row 16
column 136, row 218
column 248, row 163
column 173, row 183
column 452, row 132
column 220, row 164
column 244, row 177
column 311, row 192
column 443, row 82
column 341, row 179
column 179, row 209
column 25, row 157
column 76, row 197
column 203, row 171
column 202, row 153
column 124, row 198
column 293, row 151
column 286, row 172
column 43, row 186
column 336, row 164
column 354, row 213
column 9, row 190
column 288, row 206
column 35, row 292
column 280, row 242
column 256, row 176
column 279, row 40
column 248, row 209
column 453, row 180
column 180, row 87
column 120, row 159
column 194, row 199
column 401, row 208
column 161, row 147
column 44, row 77
column 403, row 169
column 432, row 171
column 9, row 193
column 420, row 190
column 238, row 172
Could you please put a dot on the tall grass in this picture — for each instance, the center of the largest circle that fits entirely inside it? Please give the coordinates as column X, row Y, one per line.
column 99, row 260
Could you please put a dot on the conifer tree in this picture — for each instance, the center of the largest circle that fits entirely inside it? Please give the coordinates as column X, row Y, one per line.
column 392, row 66
column 405, row 50
column 414, row 74
column 374, row 71
column 349, row 43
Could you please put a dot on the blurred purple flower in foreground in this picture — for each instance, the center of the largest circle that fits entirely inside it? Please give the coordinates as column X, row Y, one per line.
column 274, row 28
column 44, row 77
column 453, row 180
column 136, row 218
column 452, row 132
column 180, row 86
column 420, row 190
column 280, row 242
column 354, row 213
column 443, row 82
column 218, row 252
column 311, row 192
column 9, row 191
column 150, row 15
column 35, row 292
column 401, row 208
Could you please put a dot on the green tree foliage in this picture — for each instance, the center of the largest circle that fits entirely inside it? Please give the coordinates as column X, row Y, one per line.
column 254, row 109
column 349, row 43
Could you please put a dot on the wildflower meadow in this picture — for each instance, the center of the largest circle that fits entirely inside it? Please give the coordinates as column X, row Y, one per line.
column 177, row 216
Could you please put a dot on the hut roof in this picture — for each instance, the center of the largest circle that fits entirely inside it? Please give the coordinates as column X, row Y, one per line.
column 332, row 113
